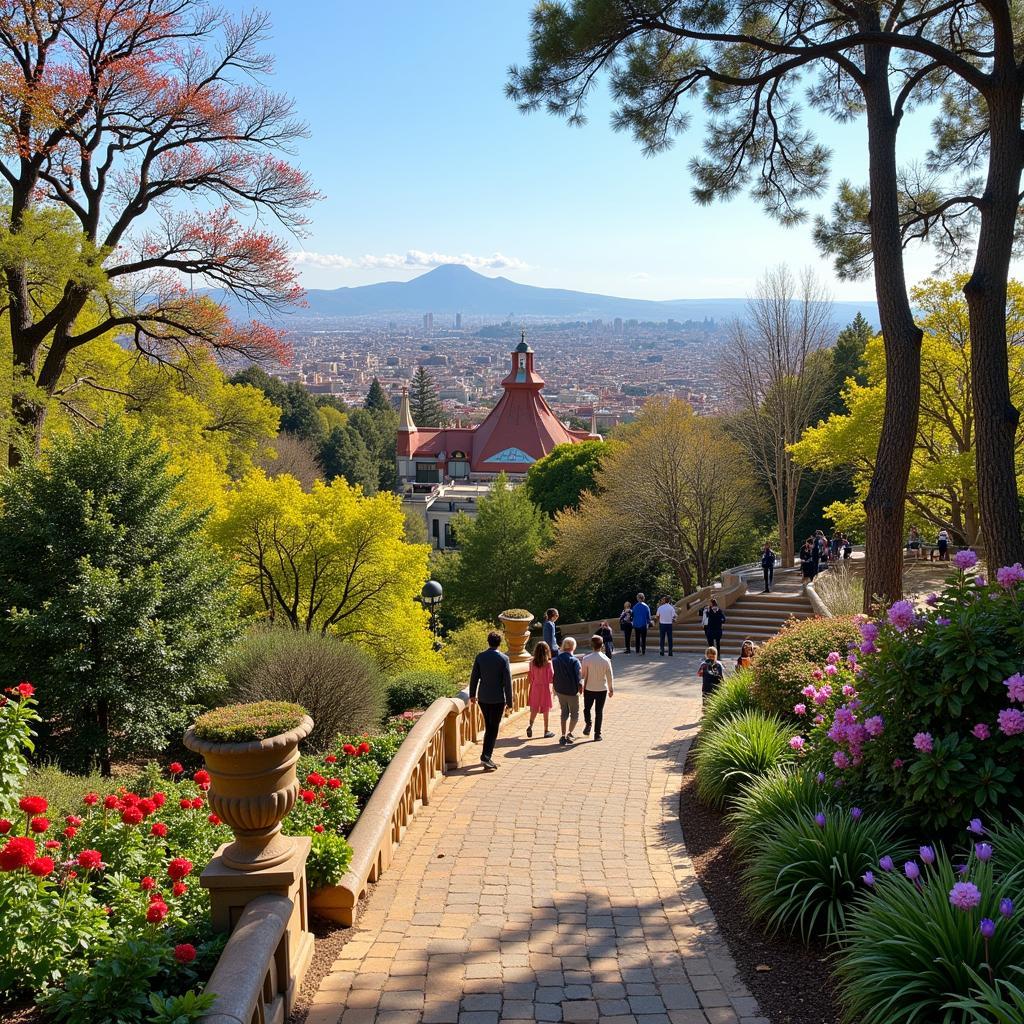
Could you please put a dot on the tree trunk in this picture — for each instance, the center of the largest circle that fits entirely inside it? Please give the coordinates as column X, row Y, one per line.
column 996, row 418
column 886, row 498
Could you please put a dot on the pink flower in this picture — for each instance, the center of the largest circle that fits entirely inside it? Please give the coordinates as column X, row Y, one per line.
column 816, row 674
column 1011, row 722
column 1015, row 687
column 833, row 658
column 874, row 726
column 840, row 760
column 799, row 709
column 830, row 670
column 897, row 762
column 964, row 895
column 849, row 691
column 923, row 742
column 901, row 615
column 1010, row 575
column 964, row 560
column 981, row 731
column 797, row 743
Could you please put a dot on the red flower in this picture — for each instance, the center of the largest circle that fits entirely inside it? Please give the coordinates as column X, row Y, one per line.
column 90, row 799
column 307, row 795
column 147, row 807
column 197, row 802
column 39, row 824
column 175, row 768
column 315, row 779
column 5, row 826
column 330, row 758
column 156, row 912
column 318, row 828
column 155, row 897
column 33, row 804
column 52, row 844
column 111, row 802
column 349, row 749
column 132, row 816
column 179, row 888
column 334, row 783
column 202, row 777
column 185, row 803
column 19, row 852
column 213, row 819
column 185, row 953
column 25, row 689
column 159, row 799
column 130, row 799
column 90, row 859
column 41, row 866
column 179, row 868
column 364, row 747
column 159, row 829
column 147, row 883
column 73, row 819
column 70, row 832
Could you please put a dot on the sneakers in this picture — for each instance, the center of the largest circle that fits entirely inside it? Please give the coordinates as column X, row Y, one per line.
column 597, row 737
column 529, row 732
column 586, row 730
column 549, row 735
column 569, row 738
column 488, row 764
column 562, row 741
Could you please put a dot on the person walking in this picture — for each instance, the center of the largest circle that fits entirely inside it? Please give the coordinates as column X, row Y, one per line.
column 598, row 686
column 490, row 686
column 847, row 548
column 641, row 621
column 541, row 673
column 710, row 674
column 768, row 566
column 943, row 544
column 604, row 631
column 807, row 561
column 914, row 544
column 626, row 623
column 666, row 616
column 820, row 551
column 568, row 684
column 550, row 635
column 714, row 622
column 746, row 658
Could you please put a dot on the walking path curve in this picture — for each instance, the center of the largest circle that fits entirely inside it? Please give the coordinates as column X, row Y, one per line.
column 557, row 888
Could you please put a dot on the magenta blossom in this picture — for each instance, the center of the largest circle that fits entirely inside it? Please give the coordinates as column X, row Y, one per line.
column 923, row 742
column 833, row 658
column 1010, row 575
column 932, row 600
column 1015, row 687
column 981, row 731
column 874, row 726
column 840, row 760
column 897, row 762
column 816, row 674
column 1011, row 722
column 965, row 896
column 964, row 560
column 830, row 670
column 901, row 615
column 799, row 709
column 797, row 743
column 809, row 691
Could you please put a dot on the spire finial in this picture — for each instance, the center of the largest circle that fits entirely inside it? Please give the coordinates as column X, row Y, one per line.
column 405, row 420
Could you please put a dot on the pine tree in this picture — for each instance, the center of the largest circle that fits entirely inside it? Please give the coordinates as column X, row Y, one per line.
column 376, row 400
column 424, row 402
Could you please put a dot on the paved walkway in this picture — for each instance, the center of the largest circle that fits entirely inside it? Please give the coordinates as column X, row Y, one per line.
column 557, row 888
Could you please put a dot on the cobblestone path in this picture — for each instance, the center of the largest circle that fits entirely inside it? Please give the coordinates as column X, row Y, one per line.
column 557, row 888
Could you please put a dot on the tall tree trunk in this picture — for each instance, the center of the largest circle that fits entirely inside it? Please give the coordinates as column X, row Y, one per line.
column 886, row 498
column 996, row 418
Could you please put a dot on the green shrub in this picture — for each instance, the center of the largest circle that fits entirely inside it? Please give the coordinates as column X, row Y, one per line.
column 417, row 690
column 739, row 749
column 765, row 803
column 808, row 870
column 909, row 954
column 328, row 861
column 243, row 723
column 784, row 663
column 64, row 790
column 733, row 697
column 337, row 683
column 361, row 776
column 999, row 1003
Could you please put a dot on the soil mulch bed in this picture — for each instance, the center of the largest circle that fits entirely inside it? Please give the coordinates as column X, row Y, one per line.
column 791, row 983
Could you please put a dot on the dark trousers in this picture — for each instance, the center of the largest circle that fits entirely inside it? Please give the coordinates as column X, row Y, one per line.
column 664, row 630
column 769, row 576
column 594, row 699
column 627, row 633
column 641, row 639
column 492, row 720
column 715, row 640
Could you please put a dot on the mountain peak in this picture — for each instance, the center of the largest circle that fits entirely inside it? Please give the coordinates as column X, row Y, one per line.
column 451, row 271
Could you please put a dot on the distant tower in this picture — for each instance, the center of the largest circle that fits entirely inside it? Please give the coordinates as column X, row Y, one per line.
column 428, row 323
column 458, row 321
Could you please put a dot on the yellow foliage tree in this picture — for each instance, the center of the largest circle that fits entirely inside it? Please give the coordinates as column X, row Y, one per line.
column 942, row 491
column 331, row 560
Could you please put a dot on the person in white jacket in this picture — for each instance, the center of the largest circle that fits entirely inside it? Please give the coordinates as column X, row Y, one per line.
column 598, row 686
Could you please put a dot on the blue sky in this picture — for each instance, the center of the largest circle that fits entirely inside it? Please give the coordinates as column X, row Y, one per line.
column 417, row 151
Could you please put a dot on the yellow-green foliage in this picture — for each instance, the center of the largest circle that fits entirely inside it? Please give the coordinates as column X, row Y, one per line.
column 461, row 647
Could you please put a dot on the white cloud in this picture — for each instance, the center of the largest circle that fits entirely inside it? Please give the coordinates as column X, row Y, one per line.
column 414, row 259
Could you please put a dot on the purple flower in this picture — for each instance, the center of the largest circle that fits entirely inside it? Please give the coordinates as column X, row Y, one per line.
column 1015, row 687
column 810, row 691
column 797, row 743
column 911, row 870
column 799, row 709
column 830, row 670
column 923, row 742
column 901, row 615
column 1006, row 907
column 874, row 726
column 868, row 647
column 942, row 621
column 868, row 630
column 987, row 927
column 868, row 877
column 965, row 896
column 981, row 731
column 960, row 869
column 840, row 760
column 819, row 820
column 1010, row 575
column 821, row 778
column 932, row 600
column 886, row 863
column 975, row 827
column 964, row 560
column 856, row 813
column 927, row 854
column 1011, row 721
column 897, row 763
column 979, row 581
column 983, row 851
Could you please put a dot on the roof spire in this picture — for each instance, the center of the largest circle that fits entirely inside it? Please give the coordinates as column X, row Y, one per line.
column 405, row 421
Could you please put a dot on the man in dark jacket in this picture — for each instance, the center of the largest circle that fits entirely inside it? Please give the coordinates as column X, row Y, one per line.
column 492, row 677
column 568, row 685
column 768, row 567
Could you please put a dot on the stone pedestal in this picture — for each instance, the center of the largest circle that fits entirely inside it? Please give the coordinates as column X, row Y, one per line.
column 231, row 890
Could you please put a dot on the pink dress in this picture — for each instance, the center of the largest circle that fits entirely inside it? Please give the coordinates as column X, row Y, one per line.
column 540, row 687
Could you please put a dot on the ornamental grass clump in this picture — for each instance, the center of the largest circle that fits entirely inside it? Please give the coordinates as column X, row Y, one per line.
column 739, row 749
column 810, row 868
column 930, row 927
column 733, row 697
column 999, row 1003
column 245, row 723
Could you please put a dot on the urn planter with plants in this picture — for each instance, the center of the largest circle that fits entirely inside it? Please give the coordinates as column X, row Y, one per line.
column 251, row 751
column 516, row 624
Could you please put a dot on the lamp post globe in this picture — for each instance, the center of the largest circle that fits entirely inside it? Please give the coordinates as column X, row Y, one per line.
column 431, row 595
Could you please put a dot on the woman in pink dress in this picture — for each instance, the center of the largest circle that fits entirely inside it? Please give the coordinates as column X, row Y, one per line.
column 541, row 674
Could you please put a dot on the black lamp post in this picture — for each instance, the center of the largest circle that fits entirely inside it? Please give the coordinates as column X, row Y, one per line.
column 431, row 596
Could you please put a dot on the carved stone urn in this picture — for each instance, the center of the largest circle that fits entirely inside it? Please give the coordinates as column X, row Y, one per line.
column 253, row 786
column 516, row 624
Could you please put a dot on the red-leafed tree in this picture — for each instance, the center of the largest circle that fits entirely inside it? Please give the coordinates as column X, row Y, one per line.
column 139, row 135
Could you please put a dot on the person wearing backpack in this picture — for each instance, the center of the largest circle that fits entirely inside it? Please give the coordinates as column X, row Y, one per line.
column 710, row 674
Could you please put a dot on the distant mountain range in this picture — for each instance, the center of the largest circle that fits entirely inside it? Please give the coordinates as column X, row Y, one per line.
column 454, row 288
